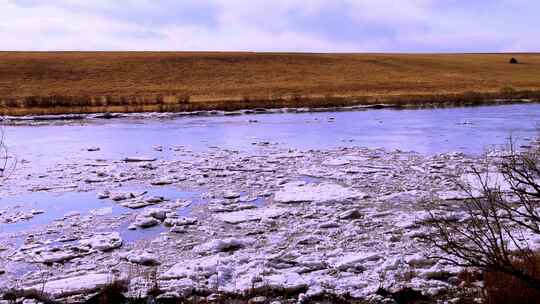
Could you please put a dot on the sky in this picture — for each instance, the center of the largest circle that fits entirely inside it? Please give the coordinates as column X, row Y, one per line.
column 271, row 25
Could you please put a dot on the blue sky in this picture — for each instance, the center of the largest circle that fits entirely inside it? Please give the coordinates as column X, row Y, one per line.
column 271, row 25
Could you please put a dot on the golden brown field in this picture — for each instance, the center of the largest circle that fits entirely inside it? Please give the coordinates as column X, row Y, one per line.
column 69, row 82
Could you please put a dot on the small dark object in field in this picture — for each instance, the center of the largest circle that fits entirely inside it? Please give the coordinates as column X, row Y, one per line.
column 513, row 61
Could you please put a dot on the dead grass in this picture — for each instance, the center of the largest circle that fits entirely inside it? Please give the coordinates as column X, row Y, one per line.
column 501, row 288
column 69, row 82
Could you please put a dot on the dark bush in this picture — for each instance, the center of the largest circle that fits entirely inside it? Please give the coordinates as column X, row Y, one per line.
column 502, row 288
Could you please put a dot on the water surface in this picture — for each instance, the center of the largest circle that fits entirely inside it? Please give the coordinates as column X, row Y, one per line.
column 470, row 130
column 59, row 205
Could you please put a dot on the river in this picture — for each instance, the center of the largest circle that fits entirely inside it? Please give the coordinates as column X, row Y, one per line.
column 470, row 130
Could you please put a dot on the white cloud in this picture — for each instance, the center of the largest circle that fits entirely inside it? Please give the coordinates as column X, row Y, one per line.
column 272, row 25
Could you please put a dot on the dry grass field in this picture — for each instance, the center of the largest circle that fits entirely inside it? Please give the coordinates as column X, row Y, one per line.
column 71, row 82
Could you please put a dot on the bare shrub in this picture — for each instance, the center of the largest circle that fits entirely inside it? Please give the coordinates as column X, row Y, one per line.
column 19, row 296
column 502, row 288
column 499, row 233
column 111, row 293
column 183, row 98
column 7, row 161
column 508, row 91
column 468, row 277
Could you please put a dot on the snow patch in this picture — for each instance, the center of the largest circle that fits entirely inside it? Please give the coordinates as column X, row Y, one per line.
column 326, row 192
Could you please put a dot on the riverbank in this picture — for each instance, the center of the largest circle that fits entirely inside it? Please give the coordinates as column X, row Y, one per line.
column 141, row 114
column 86, row 82
column 229, row 108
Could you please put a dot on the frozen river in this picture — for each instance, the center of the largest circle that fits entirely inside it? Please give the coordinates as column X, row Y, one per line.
column 470, row 130
column 242, row 199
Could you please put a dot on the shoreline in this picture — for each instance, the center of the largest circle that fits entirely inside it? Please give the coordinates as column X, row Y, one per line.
column 308, row 106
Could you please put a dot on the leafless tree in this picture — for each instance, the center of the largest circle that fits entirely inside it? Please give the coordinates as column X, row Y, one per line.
column 501, row 222
column 7, row 161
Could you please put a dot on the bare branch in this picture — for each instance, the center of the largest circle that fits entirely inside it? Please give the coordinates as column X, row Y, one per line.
column 8, row 162
column 501, row 220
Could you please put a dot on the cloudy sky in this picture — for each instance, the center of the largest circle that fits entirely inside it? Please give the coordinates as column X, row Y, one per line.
column 271, row 25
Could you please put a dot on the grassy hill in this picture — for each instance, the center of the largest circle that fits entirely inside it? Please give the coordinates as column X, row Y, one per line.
column 70, row 82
